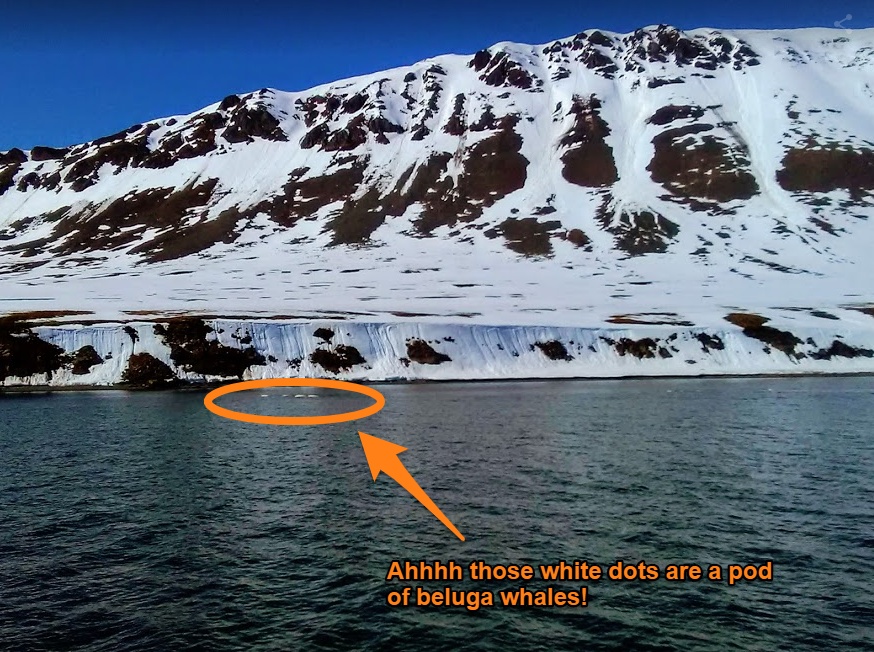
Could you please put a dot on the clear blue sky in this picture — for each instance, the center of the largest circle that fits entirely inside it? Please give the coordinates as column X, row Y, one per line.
column 72, row 71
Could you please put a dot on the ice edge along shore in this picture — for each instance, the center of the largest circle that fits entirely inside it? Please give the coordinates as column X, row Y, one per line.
column 201, row 351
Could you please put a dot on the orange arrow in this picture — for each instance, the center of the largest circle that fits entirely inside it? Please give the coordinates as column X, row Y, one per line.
column 382, row 456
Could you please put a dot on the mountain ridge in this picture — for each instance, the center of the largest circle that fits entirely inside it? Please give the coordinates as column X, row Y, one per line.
column 633, row 167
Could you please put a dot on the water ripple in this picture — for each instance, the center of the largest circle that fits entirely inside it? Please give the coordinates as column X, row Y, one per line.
column 147, row 524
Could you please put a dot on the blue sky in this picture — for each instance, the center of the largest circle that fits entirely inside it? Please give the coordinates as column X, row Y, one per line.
column 74, row 71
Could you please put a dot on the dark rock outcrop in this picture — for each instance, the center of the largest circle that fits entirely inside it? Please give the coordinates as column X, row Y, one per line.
column 41, row 153
column 325, row 334
column 554, row 350
column 588, row 160
column 710, row 342
column 637, row 231
column 23, row 353
column 192, row 352
column 341, row 358
column 526, row 236
column 699, row 170
column 500, row 70
column 754, row 326
column 250, row 122
column 423, row 353
column 10, row 164
column 144, row 371
column 839, row 349
column 645, row 347
column 819, row 169
column 84, row 359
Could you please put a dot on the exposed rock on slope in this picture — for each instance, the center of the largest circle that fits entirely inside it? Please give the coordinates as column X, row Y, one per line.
column 409, row 351
column 655, row 172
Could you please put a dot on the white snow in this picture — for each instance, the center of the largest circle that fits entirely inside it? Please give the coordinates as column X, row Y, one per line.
column 476, row 352
column 468, row 286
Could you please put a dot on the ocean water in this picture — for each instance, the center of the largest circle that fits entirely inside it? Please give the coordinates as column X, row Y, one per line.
column 140, row 521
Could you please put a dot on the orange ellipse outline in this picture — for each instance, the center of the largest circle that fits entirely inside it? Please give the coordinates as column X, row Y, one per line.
column 209, row 401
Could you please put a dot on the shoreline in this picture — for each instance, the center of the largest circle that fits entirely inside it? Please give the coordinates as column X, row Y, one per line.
column 194, row 355
column 52, row 389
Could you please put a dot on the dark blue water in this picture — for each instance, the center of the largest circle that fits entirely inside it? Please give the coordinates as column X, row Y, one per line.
column 143, row 522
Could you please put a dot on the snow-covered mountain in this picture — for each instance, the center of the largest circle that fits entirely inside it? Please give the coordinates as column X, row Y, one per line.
column 659, row 176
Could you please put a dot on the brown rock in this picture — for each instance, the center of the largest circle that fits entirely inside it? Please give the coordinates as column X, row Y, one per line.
column 325, row 334
column 526, row 236
column 342, row 358
column 589, row 160
column 250, row 122
column 40, row 153
column 191, row 351
column 23, row 353
column 827, row 169
column 84, row 359
column 841, row 350
column 710, row 169
column 145, row 371
column 554, row 350
column 754, row 327
column 423, row 353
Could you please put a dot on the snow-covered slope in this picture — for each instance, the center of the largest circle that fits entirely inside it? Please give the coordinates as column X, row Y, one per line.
column 657, row 177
